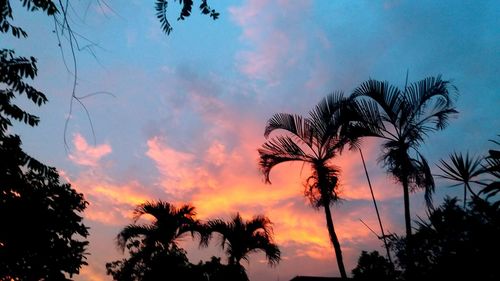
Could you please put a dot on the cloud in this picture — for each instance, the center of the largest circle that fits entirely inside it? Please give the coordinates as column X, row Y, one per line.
column 273, row 48
column 87, row 155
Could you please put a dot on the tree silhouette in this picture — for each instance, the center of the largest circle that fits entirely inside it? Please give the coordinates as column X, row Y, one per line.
column 212, row 270
column 314, row 140
column 492, row 168
column 463, row 170
column 42, row 234
column 454, row 243
column 240, row 238
column 372, row 266
column 402, row 118
column 154, row 253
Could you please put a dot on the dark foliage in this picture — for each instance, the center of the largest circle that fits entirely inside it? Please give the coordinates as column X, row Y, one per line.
column 187, row 5
column 213, row 270
column 492, row 167
column 454, row 243
column 373, row 266
column 241, row 237
column 152, row 248
column 151, row 265
column 47, row 6
column 42, row 234
column 464, row 170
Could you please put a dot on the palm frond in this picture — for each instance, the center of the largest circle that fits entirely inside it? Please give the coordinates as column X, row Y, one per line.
column 429, row 101
column 279, row 150
column 461, row 169
column 492, row 168
column 239, row 238
column 294, row 124
column 260, row 223
column 424, row 179
column 385, row 95
column 325, row 117
column 131, row 231
column 216, row 226
column 263, row 243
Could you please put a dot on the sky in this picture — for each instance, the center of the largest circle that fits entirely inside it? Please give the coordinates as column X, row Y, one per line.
column 180, row 117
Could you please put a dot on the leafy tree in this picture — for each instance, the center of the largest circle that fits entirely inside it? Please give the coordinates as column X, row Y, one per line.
column 402, row 118
column 212, row 270
column 42, row 234
column 373, row 266
column 153, row 250
column 463, row 170
column 314, row 140
column 47, row 6
column 240, row 238
column 455, row 243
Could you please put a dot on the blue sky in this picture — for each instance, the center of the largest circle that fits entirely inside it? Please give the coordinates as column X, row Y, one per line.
column 189, row 110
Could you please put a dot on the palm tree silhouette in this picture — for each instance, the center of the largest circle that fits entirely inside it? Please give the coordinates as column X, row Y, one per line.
column 402, row 118
column 240, row 238
column 492, row 168
column 169, row 224
column 462, row 170
column 314, row 140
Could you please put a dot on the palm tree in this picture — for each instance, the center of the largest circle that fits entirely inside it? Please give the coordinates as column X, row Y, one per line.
column 153, row 250
column 169, row 224
column 462, row 170
column 314, row 140
column 492, row 168
column 240, row 238
column 402, row 118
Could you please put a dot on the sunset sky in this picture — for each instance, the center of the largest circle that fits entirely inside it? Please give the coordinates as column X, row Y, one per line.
column 187, row 111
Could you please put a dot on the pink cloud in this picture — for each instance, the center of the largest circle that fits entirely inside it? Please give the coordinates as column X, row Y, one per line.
column 274, row 49
column 87, row 155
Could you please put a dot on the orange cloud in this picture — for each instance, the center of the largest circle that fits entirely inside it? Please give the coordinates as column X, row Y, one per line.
column 87, row 155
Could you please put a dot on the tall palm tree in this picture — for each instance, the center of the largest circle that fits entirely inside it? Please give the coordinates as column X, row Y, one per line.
column 314, row 140
column 402, row 118
column 169, row 224
column 463, row 170
column 240, row 238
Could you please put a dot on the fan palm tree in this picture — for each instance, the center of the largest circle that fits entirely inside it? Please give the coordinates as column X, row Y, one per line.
column 240, row 238
column 169, row 224
column 402, row 118
column 313, row 140
column 463, row 170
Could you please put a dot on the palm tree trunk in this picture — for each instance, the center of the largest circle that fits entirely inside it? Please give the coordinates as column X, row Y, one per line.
column 335, row 241
column 409, row 241
column 376, row 208
column 406, row 198
column 465, row 196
